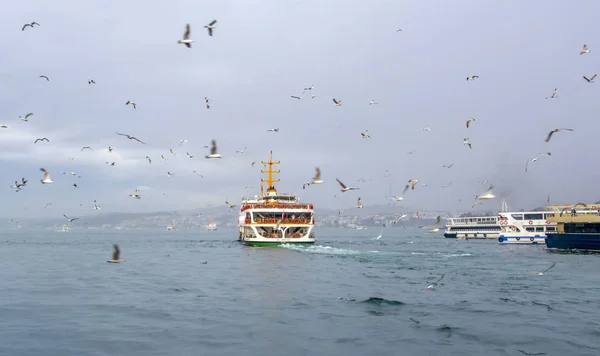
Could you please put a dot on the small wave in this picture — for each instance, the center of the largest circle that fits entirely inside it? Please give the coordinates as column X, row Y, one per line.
column 327, row 250
column 459, row 255
column 382, row 301
column 418, row 253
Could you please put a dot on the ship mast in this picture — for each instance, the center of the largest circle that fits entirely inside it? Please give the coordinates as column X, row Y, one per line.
column 270, row 188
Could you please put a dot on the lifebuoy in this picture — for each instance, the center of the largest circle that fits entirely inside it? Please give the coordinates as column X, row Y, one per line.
column 518, row 238
column 500, row 239
column 484, row 235
column 531, row 239
column 530, row 222
column 514, row 228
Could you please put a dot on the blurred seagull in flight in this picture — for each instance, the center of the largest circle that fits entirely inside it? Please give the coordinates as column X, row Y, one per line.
column 534, row 159
column 43, row 76
column 554, row 131
column 213, row 150
column 344, row 187
column 29, row 25
column 129, row 102
column 427, row 128
column 554, row 94
column 472, row 78
column 26, row 118
column 210, row 27
column 359, row 203
column 584, row 50
column 546, row 270
column 467, row 142
column 41, row 139
column 130, row 137
column 70, row 219
column 373, row 102
column 470, row 121
column 365, row 134
column 116, row 257
column 273, row 130
column 590, row 80
column 317, row 178
column 413, row 183
column 337, row 102
column 186, row 37
column 46, row 179
column 487, row 194
column 448, row 165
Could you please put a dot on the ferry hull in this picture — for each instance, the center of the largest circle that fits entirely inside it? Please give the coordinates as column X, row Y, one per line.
column 277, row 243
column 522, row 240
column 574, row 241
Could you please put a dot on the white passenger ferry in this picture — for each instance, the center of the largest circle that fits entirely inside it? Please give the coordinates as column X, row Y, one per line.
column 275, row 219
column 527, row 227
column 475, row 227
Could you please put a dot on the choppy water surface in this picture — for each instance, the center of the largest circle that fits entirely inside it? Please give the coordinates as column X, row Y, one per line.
column 347, row 295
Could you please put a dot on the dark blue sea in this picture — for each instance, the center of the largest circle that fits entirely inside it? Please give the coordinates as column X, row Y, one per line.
column 347, row 295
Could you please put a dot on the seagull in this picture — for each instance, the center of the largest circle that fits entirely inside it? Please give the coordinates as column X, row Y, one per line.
column 398, row 30
column 163, row 158
column 413, row 183
column 546, row 270
column 29, row 25
column 373, row 102
column 242, row 150
column 110, row 149
column 296, row 97
column 196, row 173
column 583, row 51
column 427, row 128
column 467, row 142
column 210, row 27
column 591, row 80
column 110, row 163
column 149, row 160
column 231, row 206
column 96, row 206
column 41, row 139
column 469, row 121
column 534, row 159
column 448, row 185
column 186, row 37
column 116, row 257
column 132, row 104
column 130, row 137
column 46, row 179
column 317, row 178
column 189, row 155
column 337, row 102
column 169, row 174
column 473, row 77
column 253, row 163
column 88, row 147
column 171, row 152
column 43, row 76
column 305, row 184
column 273, row 130
column 400, row 218
column 436, row 282
column 397, row 198
column 47, row 205
column 207, row 102
column 181, row 142
column 70, row 219
column 434, row 227
column 448, row 166
column 3, row 127
column 556, row 130
column 554, row 94
column 213, row 150
column 26, row 118
column 365, row 134
column 309, row 88
column 344, row 187
column 135, row 196
column 75, row 185
column 91, row 81
column 359, row 203
column 487, row 194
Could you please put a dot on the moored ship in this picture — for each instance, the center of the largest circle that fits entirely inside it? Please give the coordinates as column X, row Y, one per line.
column 273, row 219
column 525, row 227
column 577, row 228
column 475, row 227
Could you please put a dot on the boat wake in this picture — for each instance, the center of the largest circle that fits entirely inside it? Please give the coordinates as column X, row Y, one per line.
column 324, row 250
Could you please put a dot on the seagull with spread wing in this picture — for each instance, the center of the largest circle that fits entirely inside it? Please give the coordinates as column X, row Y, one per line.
column 130, row 137
column 554, row 131
column 213, row 150
column 186, row 37
column 534, row 159
column 344, row 187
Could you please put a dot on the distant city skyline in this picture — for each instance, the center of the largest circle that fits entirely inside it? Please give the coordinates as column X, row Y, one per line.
column 261, row 54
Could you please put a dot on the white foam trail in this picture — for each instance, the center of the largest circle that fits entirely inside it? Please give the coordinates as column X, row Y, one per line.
column 318, row 249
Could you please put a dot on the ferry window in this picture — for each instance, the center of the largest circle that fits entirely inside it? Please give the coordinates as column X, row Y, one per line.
column 530, row 228
column 551, row 228
column 517, row 216
column 539, row 229
column 534, row 216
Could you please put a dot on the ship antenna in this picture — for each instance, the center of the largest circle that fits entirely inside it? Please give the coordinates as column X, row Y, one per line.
column 270, row 187
column 504, row 206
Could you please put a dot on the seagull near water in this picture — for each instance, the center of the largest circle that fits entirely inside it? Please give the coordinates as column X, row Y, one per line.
column 213, row 150
column 46, row 179
column 344, row 187
column 186, row 37
column 29, row 25
column 534, row 159
column 69, row 219
column 317, row 178
column 554, row 131
column 546, row 270
column 436, row 282
column 210, row 27
column 130, row 137
column 26, row 118
column 116, row 257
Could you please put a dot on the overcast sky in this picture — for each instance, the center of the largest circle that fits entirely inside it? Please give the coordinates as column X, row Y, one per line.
column 262, row 52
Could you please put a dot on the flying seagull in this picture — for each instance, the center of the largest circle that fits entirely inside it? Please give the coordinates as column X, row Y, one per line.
column 273, row 130
column 434, row 227
column 487, row 194
column 210, row 27
column 207, row 102
column 130, row 137
column 46, row 179
column 231, row 206
column 91, row 81
column 554, row 94
column 70, row 219
column 469, row 121
column 189, row 155
column 583, row 51
column 448, row 166
column 365, row 134
column 473, row 77
column 317, row 178
column 242, row 150
column 556, row 130
column 344, row 187
column 590, row 80
column 135, row 196
column 359, row 203
column 3, row 127
column 43, row 76
column 132, row 104
column 29, row 25
column 436, row 282
column 373, row 102
column 186, row 37
column 467, row 142
column 534, row 159
column 296, row 97
column 26, row 118
column 88, row 147
column 116, row 257
column 413, row 183
column 546, row 270
column 213, row 150
column 337, row 102
column 149, row 160
column 41, row 139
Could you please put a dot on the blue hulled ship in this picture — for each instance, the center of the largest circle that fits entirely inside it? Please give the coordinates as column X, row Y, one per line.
column 578, row 227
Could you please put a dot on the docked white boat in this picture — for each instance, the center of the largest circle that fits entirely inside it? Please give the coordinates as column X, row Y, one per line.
column 525, row 227
column 212, row 226
column 274, row 219
column 475, row 227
